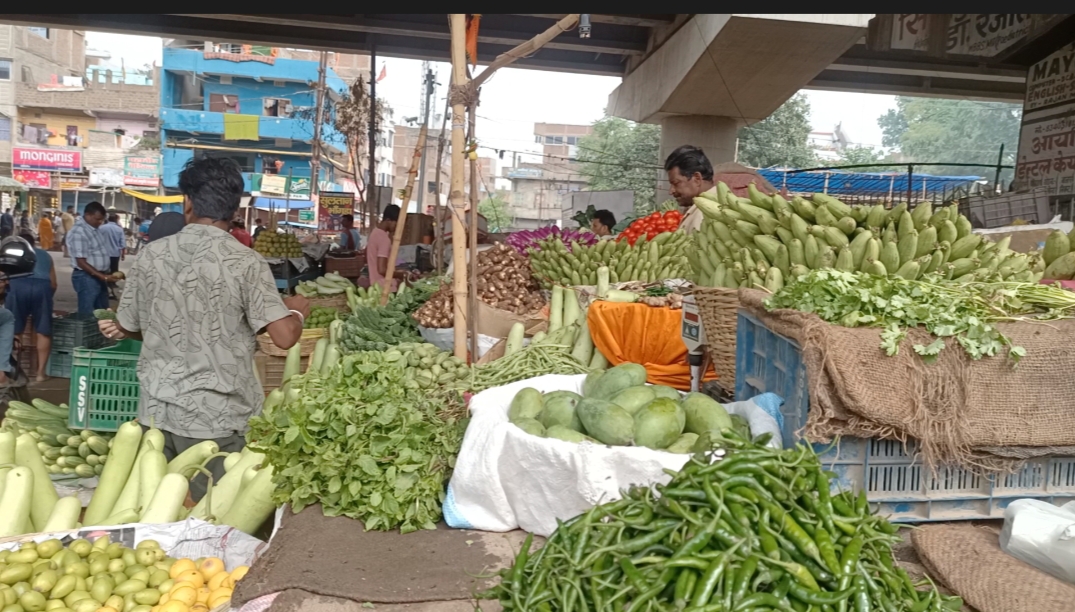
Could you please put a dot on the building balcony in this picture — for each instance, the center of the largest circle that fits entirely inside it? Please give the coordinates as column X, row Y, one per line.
column 206, row 122
column 141, row 100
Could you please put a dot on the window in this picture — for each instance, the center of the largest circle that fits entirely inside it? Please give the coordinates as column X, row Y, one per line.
column 558, row 140
column 72, row 136
column 276, row 107
column 5, row 129
column 223, row 103
column 548, row 140
column 572, row 140
column 245, row 160
column 538, row 139
column 5, row 70
column 42, row 32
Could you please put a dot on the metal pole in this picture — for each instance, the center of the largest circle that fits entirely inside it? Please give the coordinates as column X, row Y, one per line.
column 459, row 281
column 425, row 121
column 891, row 188
column 1000, row 160
column 315, row 159
column 373, row 203
column 910, row 183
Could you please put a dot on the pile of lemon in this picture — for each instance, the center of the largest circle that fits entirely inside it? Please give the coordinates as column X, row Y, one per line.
column 199, row 585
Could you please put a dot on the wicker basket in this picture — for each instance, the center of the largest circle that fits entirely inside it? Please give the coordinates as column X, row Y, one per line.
column 339, row 302
column 719, row 309
column 306, row 343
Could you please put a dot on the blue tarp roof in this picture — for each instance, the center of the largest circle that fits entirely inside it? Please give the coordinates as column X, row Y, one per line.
column 264, row 203
column 862, row 183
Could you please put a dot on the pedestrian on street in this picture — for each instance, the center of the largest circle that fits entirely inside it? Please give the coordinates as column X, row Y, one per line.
column 7, row 340
column 164, row 225
column 24, row 222
column 32, row 296
column 44, row 231
column 7, row 224
column 68, row 220
column 239, row 231
column 117, row 243
column 90, row 250
column 197, row 300
column 349, row 238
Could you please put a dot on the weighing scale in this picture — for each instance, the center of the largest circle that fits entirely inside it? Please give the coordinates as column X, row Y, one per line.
column 694, row 337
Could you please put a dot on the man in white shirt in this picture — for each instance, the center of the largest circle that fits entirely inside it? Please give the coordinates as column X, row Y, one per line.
column 689, row 175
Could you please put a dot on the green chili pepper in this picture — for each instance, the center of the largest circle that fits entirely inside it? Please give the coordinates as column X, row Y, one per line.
column 782, row 587
column 842, row 507
column 711, row 577
column 827, row 550
column 744, row 576
column 815, row 597
column 759, row 600
column 685, row 586
column 861, row 599
column 849, row 561
column 861, row 505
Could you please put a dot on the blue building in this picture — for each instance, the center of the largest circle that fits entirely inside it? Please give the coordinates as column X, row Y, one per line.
column 257, row 110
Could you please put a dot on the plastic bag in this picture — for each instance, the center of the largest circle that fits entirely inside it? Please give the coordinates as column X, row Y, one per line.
column 1042, row 535
column 507, row 479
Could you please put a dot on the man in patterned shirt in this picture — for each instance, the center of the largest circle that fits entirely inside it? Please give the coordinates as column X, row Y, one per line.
column 196, row 300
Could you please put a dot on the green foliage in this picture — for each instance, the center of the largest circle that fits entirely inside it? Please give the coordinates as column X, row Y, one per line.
column 932, row 130
column 620, row 154
column 496, row 212
column 865, row 155
column 781, row 139
column 365, row 442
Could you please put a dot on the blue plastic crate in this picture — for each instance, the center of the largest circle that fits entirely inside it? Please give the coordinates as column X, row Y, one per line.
column 74, row 330
column 900, row 486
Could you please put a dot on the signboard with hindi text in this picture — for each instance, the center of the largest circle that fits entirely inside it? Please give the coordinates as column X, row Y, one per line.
column 1046, row 157
column 142, row 170
column 331, row 207
column 981, row 34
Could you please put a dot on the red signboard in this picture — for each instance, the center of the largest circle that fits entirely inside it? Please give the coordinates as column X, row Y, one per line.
column 33, row 178
column 48, row 160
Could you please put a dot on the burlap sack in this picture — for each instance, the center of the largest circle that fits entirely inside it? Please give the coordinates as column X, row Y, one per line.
column 969, row 561
column 955, row 408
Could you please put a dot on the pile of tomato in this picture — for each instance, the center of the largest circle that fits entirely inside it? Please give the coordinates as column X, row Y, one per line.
column 651, row 225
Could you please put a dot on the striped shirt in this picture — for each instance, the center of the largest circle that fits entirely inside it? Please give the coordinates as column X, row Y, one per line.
column 87, row 242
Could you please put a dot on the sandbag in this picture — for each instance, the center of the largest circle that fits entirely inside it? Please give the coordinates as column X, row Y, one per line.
column 957, row 409
column 1041, row 534
column 506, row 479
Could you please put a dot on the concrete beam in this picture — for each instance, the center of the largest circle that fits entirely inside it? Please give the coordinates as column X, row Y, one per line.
column 741, row 66
column 941, row 86
column 908, row 68
column 714, row 135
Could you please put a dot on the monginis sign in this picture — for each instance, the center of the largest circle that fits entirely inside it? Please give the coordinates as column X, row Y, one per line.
column 49, row 160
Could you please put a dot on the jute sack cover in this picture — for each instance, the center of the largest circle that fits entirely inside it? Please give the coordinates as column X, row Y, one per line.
column 968, row 560
column 957, row 409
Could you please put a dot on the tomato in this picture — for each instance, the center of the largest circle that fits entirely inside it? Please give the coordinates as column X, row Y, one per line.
column 650, row 235
column 654, row 216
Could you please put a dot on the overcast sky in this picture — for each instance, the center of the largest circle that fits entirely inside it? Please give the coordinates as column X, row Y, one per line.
column 514, row 99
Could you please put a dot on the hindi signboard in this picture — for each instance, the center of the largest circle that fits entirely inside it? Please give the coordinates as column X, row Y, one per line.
column 982, row 35
column 1046, row 156
column 331, row 207
column 142, row 170
column 273, row 184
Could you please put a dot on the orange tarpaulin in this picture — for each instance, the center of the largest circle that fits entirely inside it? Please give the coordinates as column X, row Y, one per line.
column 637, row 333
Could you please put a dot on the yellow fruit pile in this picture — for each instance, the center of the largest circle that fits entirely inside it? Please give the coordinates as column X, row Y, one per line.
column 199, row 586
column 278, row 245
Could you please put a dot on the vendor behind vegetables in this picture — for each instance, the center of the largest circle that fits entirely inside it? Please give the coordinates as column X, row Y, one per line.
column 602, row 223
column 379, row 248
column 196, row 300
column 689, row 175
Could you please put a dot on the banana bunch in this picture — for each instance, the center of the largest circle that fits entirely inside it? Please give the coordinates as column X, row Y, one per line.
column 664, row 257
column 361, row 296
column 763, row 240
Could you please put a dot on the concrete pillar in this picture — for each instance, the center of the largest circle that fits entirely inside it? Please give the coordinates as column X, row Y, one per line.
column 714, row 135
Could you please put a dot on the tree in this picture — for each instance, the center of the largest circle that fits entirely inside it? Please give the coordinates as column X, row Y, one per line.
column 866, row 155
column 932, row 130
column 621, row 154
column 781, row 139
column 496, row 211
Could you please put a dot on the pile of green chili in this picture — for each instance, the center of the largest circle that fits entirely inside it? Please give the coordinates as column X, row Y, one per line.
column 756, row 530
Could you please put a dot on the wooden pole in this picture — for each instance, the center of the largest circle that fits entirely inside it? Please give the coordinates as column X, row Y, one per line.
column 523, row 50
column 372, row 192
column 457, row 94
column 438, row 208
column 472, row 296
column 393, row 253
column 315, row 159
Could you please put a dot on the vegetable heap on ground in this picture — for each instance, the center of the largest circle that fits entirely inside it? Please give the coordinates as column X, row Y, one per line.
column 617, row 408
column 630, row 218
column 320, row 317
column 652, row 225
column 329, row 285
column 504, row 282
column 523, row 240
column 272, row 244
column 648, row 260
column 758, row 529
column 967, row 311
column 107, row 576
column 765, row 240
column 366, row 439
column 64, row 451
column 137, row 485
column 372, row 327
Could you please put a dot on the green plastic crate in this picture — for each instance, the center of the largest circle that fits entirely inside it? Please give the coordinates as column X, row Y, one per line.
column 104, row 386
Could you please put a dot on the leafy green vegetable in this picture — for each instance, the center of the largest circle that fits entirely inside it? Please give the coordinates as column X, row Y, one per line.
column 367, row 441
column 964, row 311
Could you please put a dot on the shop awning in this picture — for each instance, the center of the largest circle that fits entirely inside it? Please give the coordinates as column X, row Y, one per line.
column 263, row 203
column 293, row 224
column 155, row 199
column 10, row 184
